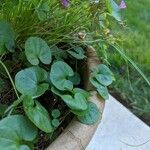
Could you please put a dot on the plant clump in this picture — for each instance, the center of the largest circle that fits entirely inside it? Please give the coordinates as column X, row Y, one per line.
column 42, row 44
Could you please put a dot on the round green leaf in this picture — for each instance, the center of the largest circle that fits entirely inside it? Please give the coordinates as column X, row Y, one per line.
column 37, row 114
column 79, row 113
column 16, row 133
column 83, row 92
column 102, row 69
column 103, row 91
column 7, row 37
column 37, row 49
column 94, row 82
column 91, row 116
column 30, row 81
column 75, row 79
column 104, row 79
column 58, row 53
column 77, row 52
column 101, row 75
column 57, row 92
column 55, row 123
column 55, row 113
column 78, row 102
column 59, row 74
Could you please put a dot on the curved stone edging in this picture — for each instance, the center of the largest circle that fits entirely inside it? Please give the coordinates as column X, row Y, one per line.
column 77, row 135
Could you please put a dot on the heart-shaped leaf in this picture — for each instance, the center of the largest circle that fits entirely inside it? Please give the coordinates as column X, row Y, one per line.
column 58, row 53
column 103, row 91
column 7, row 37
column 77, row 52
column 104, row 79
column 42, row 10
column 56, row 113
column 57, row 92
column 83, row 92
column 75, row 79
column 74, row 91
column 37, row 49
column 92, row 114
column 59, row 74
column 55, row 123
column 17, row 133
column 76, row 102
column 30, row 81
column 79, row 113
column 37, row 114
column 103, row 75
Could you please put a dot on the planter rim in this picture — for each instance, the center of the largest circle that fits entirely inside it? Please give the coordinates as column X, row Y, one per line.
column 77, row 135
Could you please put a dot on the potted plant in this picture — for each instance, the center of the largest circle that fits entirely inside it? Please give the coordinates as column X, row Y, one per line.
column 49, row 67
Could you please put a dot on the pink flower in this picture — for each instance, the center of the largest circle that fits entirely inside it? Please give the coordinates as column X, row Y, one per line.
column 65, row 3
column 122, row 4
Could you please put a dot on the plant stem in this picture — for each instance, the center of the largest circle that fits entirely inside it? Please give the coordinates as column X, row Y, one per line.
column 10, row 78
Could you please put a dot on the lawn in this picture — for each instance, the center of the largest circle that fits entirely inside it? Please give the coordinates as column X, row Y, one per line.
column 136, row 42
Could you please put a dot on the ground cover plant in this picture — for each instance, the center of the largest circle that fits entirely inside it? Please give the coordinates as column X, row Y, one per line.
column 42, row 44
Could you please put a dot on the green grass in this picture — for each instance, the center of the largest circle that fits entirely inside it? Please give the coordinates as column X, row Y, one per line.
column 136, row 42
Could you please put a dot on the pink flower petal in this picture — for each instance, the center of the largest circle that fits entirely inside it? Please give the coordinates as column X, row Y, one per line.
column 122, row 5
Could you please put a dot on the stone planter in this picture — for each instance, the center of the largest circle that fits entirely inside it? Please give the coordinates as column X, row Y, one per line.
column 77, row 135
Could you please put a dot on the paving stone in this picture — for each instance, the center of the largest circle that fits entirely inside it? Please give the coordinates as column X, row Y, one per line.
column 120, row 130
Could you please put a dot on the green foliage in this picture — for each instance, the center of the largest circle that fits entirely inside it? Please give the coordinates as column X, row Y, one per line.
column 75, row 79
column 37, row 114
column 76, row 102
column 17, row 132
column 30, row 81
column 59, row 74
column 37, row 49
column 56, row 113
column 58, row 53
column 7, row 37
column 83, row 92
column 91, row 116
column 103, row 91
column 77, row 52
column 101, row 78
column 30, row 24
column 103, row 75
column 76, row 99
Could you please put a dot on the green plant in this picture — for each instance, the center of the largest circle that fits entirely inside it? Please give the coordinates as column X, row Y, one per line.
column 45, row 43
column 101, row 78
column 42, row 73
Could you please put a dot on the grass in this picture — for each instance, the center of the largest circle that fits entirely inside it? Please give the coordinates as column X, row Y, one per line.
column 135, row 41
